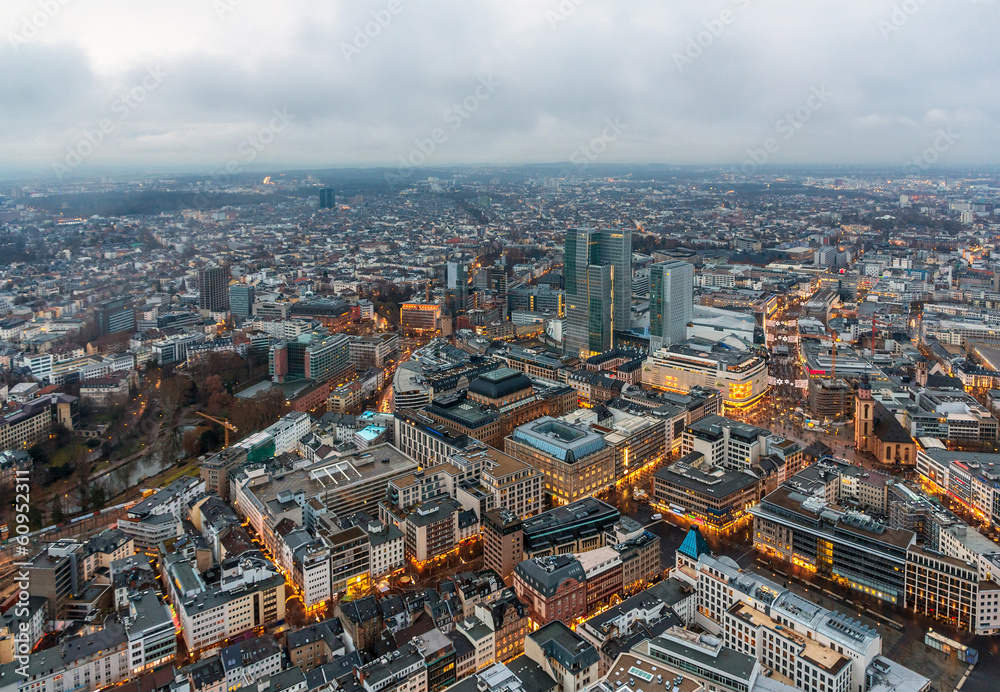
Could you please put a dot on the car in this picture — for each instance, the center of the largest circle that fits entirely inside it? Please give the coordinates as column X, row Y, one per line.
column 657, row 516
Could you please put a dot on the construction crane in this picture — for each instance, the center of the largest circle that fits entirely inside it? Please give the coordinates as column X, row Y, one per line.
column 833, row 352
column 227, row 426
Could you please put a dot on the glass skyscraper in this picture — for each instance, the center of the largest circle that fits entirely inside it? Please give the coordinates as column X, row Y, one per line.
column 598, row 278
column 671, row 302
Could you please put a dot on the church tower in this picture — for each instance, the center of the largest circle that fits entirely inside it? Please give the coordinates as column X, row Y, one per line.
column 864, row 415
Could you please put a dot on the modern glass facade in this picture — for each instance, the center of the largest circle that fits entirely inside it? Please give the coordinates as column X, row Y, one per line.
column 671, row 301
column 598, row 279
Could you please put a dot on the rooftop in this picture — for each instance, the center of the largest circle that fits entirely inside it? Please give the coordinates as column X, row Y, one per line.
column 566, row 442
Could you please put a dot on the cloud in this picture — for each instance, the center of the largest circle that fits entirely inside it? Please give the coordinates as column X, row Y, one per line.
column 367, row 79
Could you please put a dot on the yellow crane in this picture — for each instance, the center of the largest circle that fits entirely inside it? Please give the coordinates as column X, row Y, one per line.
column 227, row 426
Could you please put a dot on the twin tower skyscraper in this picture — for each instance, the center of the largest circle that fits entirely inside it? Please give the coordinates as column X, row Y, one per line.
column 598, row 281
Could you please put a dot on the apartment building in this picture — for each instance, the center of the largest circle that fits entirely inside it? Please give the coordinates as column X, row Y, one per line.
column 251, row 660
column 315, row 645
column 515, row 485
column 803, row 644
column 251, row 595
column 564, row 655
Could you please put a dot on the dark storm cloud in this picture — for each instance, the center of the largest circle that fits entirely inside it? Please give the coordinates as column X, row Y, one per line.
column 367, row 82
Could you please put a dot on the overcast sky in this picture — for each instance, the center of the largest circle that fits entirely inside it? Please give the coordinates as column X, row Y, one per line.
column 183, row 85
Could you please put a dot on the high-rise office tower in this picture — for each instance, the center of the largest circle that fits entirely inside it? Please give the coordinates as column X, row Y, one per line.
column 327, row 198
column 116, row 316
column 598, row 278
column 213, row 289
column 616, row 250
column 456, row 286
column 241, row 297
column 671, row 302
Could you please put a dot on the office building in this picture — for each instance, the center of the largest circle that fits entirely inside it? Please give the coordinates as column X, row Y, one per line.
column 798, row 523
column 700, row 658
column 327, row 198
column 373, row 351
column 616, row 251
column 149, row 627
column 542, row 298
column 972, row 478
column 115, row 316
column 216, row 469
column 741, row 376
column 554, row 587
column 598, row 280
column 420, row 318
column 671, row 302
column 573, row 528
column 726, row 442
column 213, row 289
column 427, row 441
column 515, row 485
column 251, row 596
column 576, row 460
column 712, row 495
column 35, row 419
column 311, row 356
column 636, row 441
column 241, row 297
column 344, row 486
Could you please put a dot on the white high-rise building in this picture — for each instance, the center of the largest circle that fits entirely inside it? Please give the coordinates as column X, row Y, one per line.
column 671, row 302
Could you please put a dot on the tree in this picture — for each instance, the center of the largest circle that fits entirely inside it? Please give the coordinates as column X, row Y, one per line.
column 97, row 497
column 192, row 442
column 57, row 511
column 83, row 486
column 36, row 519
